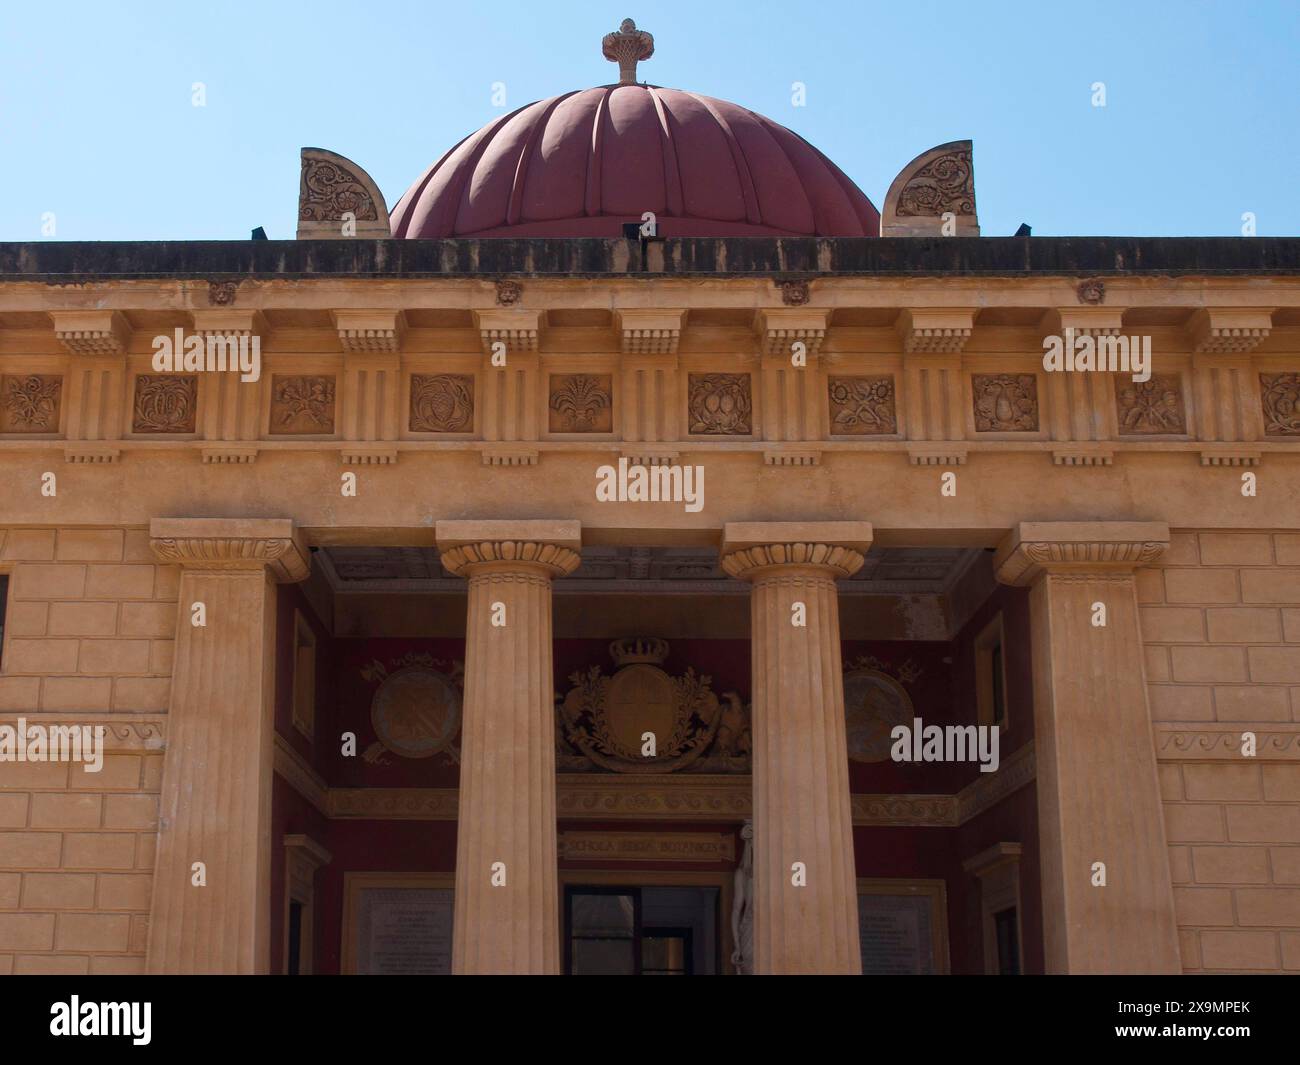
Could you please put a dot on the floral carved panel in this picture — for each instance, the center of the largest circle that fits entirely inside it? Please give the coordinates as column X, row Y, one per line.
column 1150, row 407
column 1005, row 402
column 302, row 404
column 165, row 403
column 29, row 403
column 944, row 184
column 862, row 406
column 329, row 190
column 442, row 403
column 720, row 404
column 1279, row 395
column 581, row 403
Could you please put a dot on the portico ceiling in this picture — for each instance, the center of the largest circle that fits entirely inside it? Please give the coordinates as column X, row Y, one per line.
column 660, row 570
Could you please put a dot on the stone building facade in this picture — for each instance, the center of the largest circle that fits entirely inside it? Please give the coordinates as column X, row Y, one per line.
column 901, row 510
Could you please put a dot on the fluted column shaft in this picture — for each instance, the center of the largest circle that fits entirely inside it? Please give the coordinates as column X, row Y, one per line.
column 801, row 786
column 215, row 806
column 1099, row 808
column 507, row 910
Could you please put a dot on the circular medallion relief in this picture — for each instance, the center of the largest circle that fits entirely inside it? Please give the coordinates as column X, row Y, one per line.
column 874, row 704
column 416, row 712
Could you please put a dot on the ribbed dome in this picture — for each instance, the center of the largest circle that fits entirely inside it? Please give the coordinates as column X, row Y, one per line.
column 582, row 164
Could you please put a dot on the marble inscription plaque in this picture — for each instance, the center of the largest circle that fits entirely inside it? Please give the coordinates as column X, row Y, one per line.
column 404, row 931
column 894, row 934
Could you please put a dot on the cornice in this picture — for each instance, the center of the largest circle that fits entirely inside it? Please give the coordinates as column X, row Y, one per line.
column 1079, row 548
column 225, row 544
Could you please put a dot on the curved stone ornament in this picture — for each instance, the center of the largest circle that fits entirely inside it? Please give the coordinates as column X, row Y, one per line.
column 1076, row 548
column 937, row 182
column 332, row 187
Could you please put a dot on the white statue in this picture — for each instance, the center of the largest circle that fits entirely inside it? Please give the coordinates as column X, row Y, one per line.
column 742, row 906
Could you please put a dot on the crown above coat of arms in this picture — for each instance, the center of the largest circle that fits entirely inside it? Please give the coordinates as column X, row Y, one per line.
column 639, row 649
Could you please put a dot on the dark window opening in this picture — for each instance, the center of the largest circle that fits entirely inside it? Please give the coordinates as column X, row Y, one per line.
column 295, row 937
column 666, row 952
column 1008, row 940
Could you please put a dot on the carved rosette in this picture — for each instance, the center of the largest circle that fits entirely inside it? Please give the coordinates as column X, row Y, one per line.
column 551, row 559
column 581, row 403
column 1150, row 407
column 944, row 184
column 29, row 403
column 862, row 406
column 165, row 403
column 1091, row 558
column 1005, row 403
column 720, row 404
column 751, row 562
column 283, row 557
column 302, row 404
column 442, row 403
column 1280, row 398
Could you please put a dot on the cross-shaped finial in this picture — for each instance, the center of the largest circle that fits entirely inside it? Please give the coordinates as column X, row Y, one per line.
column 627, row 47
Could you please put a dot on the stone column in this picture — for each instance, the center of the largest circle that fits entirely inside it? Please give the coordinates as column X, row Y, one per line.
column 506, row 820
column 216, row 789
column 1098, row 796
column 801, row 765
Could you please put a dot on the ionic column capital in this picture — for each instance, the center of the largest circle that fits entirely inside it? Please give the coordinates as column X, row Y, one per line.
column 1081, row 547
column 550, row 548
column 217, row 544
column 751, row 550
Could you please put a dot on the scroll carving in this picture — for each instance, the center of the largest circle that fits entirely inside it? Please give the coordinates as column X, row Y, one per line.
column 1280, row 398
column 442, row 403
column 165, row 403
column 720, row 404
column 30, row 403
column 944, row 184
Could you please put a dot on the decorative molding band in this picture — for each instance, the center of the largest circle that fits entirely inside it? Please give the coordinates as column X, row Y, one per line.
column 989, row 789
column 1083, row 455
column 232, row 544
column 650, row 332
column 747, row 562
column 649, row 455
column 362, row 332
column 516, row 328
column 1227, row 456
column 792, row 458
column 936, row 455
column 507, row 455
column 1033, row 548
column 935, row 332
column 229, row 456
column 917, row 811
column 1223, row 742
column 367, row 455
column 122, row 732
column 91, row 454
column 1217, row 331
column 685, row 797
column 300, row 776
column 556, row 560
column 393, row 804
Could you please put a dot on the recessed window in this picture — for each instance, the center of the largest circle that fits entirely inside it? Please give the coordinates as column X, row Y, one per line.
column 304, row 676
column 991, row 674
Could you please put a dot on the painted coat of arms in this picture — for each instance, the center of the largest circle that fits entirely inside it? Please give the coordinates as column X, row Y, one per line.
column 642, row 720
column 416, row 709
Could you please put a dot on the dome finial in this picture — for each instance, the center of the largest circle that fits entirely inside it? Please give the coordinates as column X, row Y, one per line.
column 627, row 47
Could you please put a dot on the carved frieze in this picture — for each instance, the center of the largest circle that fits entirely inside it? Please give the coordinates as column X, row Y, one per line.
column 442, row 403
column 329, row 189
column 603, row 721
column 581, row 403
column 302, row 404
column 944, row 184
column 29, row 403
column 1150, row 407
column 862, row 406
column 165, row 403
column 720, row 404
column 1005, row 403
column 1280, row 398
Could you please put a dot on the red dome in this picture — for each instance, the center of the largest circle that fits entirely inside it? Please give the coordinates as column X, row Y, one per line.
column 582, row 164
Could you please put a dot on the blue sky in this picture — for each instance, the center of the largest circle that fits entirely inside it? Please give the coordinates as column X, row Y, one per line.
column 1200, row 123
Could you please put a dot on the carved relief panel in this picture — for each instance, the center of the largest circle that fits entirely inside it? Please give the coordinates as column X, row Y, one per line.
column 165, row 403
column 442, row 403
column 862, row 406
column 1151, row 407
column 1280, row 399
column 30, row 403
column 720, row 404
column 302, row 404
column 1005, row 402
column 581, row 403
